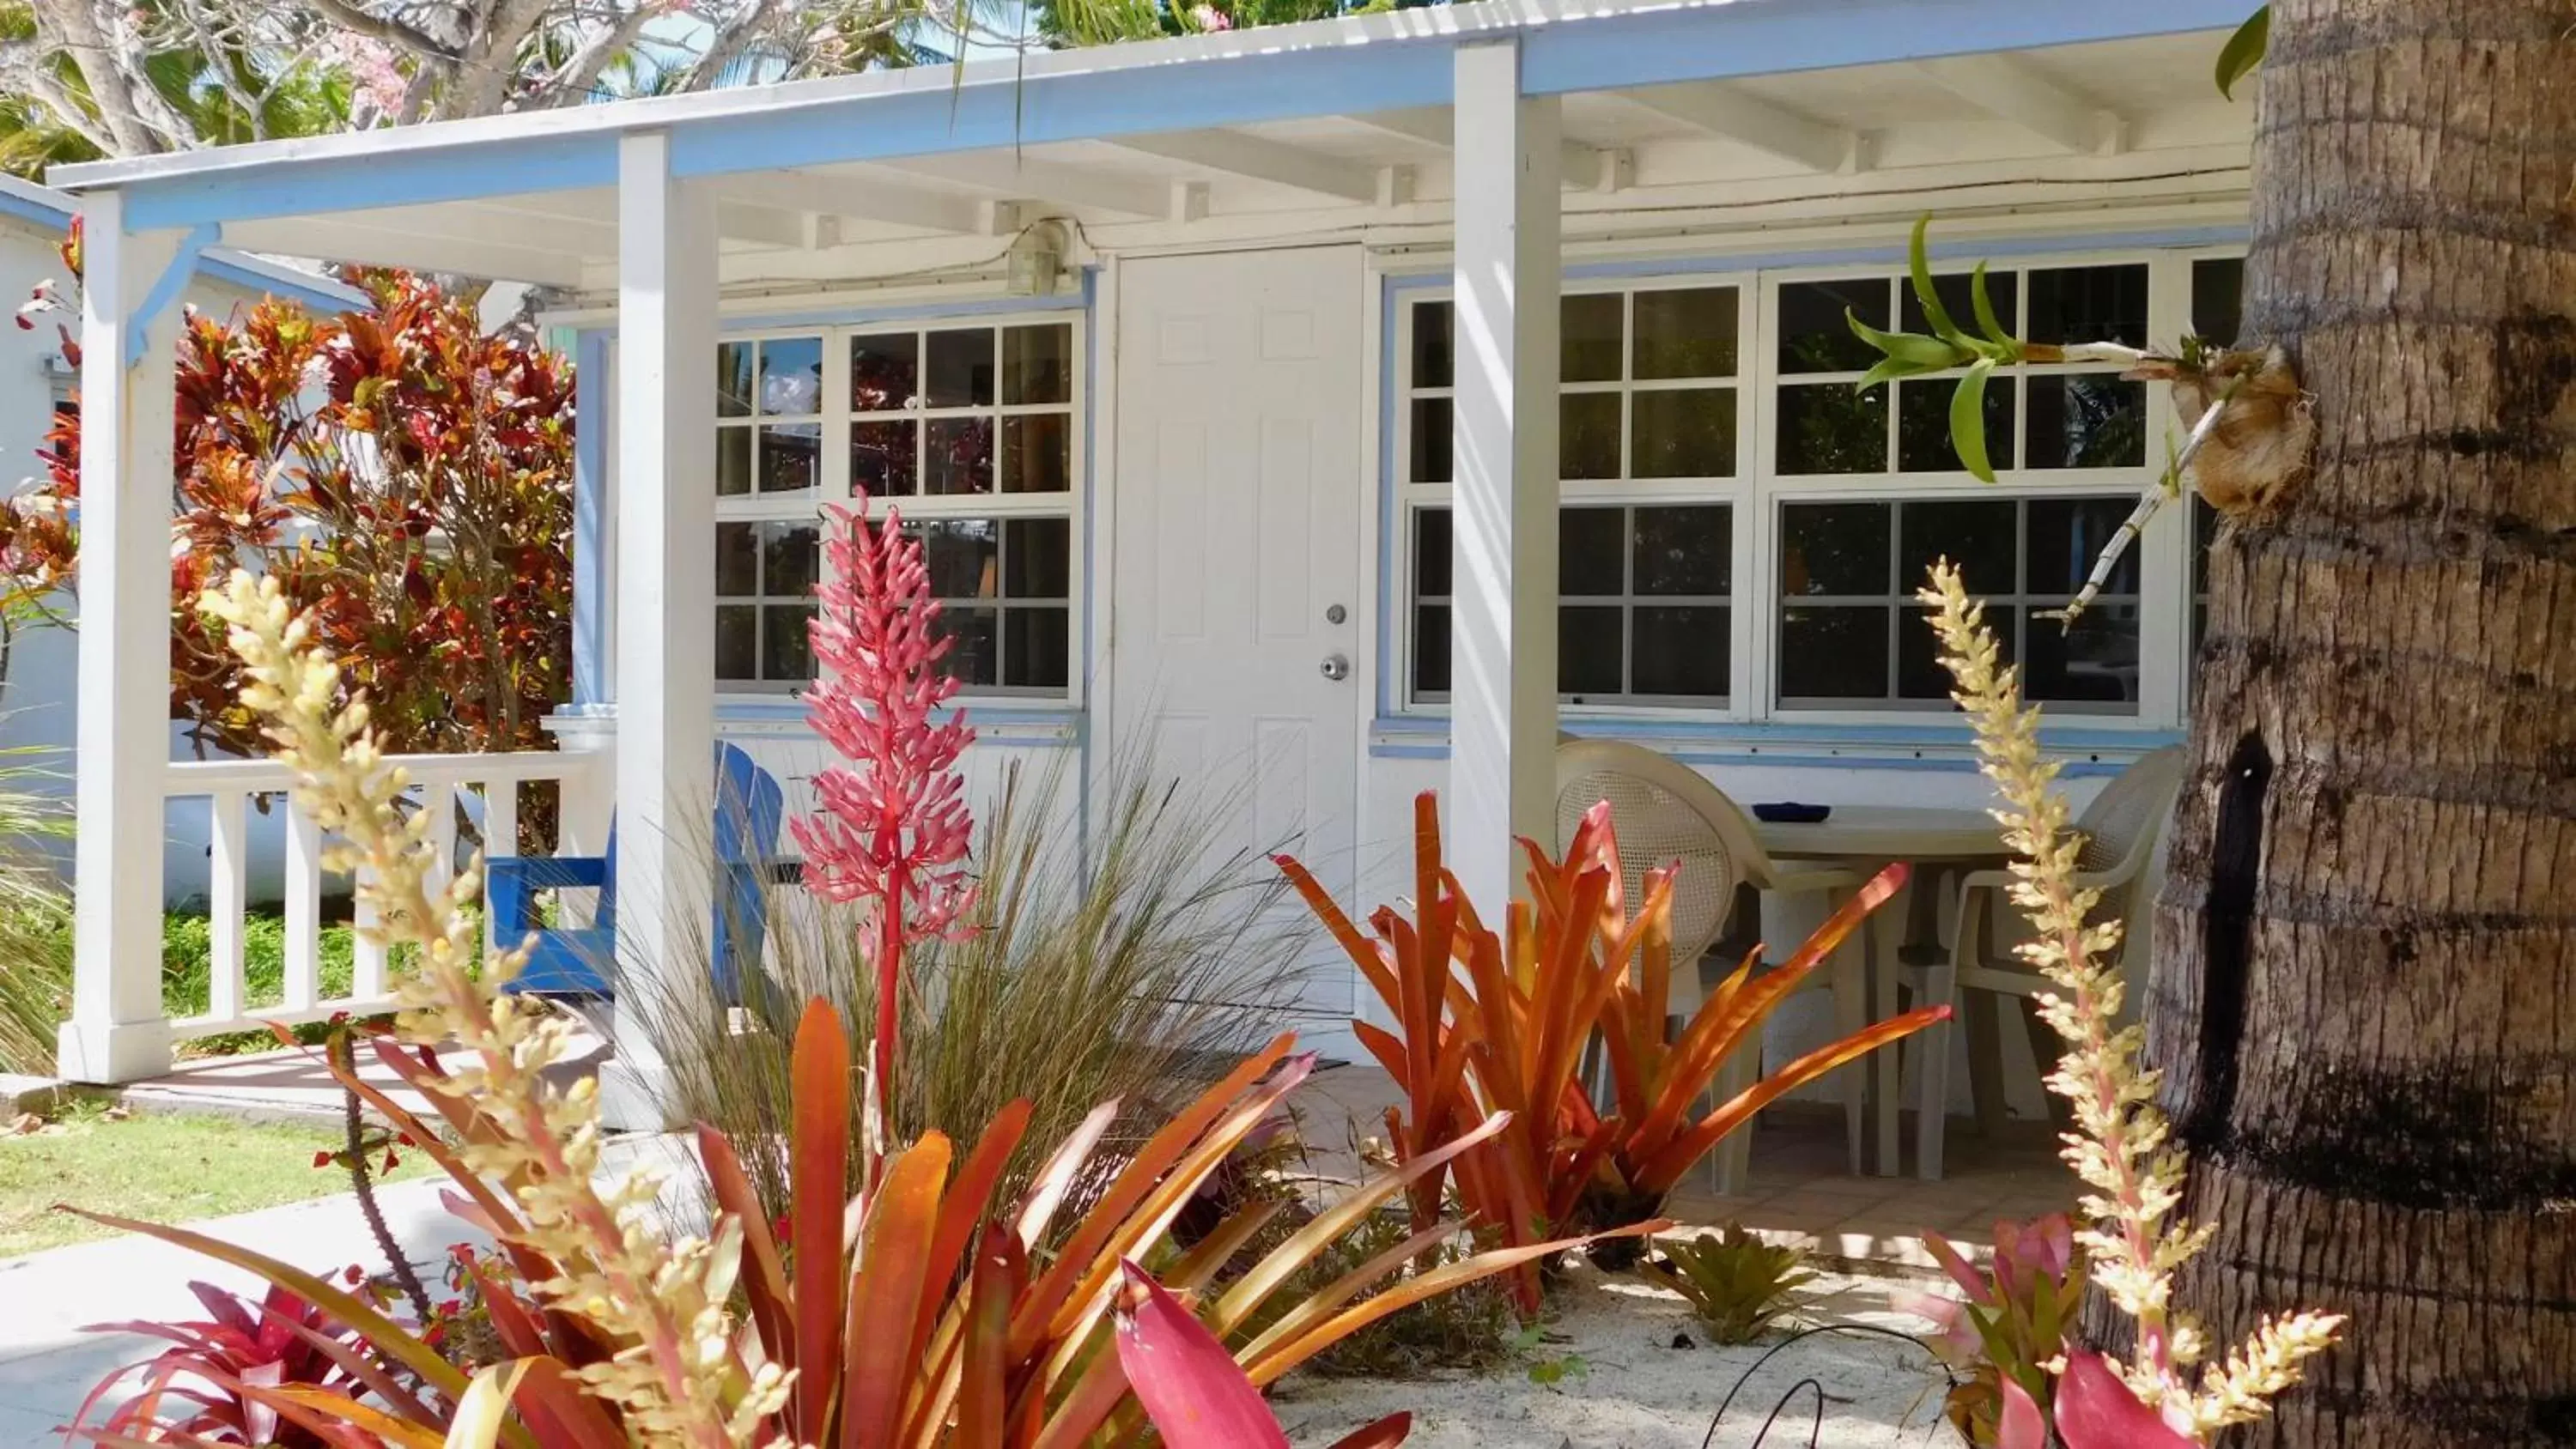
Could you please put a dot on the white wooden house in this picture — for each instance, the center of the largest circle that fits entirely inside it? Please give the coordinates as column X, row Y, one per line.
column 1339, row 408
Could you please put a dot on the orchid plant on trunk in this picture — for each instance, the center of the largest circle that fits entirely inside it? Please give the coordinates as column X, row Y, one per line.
column 890, row 826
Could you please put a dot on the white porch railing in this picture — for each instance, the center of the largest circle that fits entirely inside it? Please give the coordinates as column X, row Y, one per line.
column 484, row 786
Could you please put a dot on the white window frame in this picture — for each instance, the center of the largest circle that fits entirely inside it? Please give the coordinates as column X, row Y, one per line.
column 1732, row 492
column 835, row 477
column 1757, row 492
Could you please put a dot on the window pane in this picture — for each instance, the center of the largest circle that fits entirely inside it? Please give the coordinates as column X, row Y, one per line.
column 737, row 641
column 1587, row 650
column 733, row 462
column 1919, row 674
column 791, row 557
column 1681, row 649
column 960, row 370
column 733, row 379
column 1037, row 453
column 1589, row 345
column 885, row 372
column 961, row 456
column 786, row 641
column 791, row 458
column 1432, row 363
column 2087, row 420
column 1592, row 552
column 1431, row 440
column 2096, row 661
column 737, row 559
column 791, row 376
column 881, row 456
column 1036, row 648
column 963, row 558
column 1814, row 337
column 1587, row 444
column 1683, row 433
column 1037, row 364
column 2066, row 535
column 1977, row 535
column 2218, row 299
column 2003, row 290
column 2089, row 304
column 1684, row 550
column 1686, row 332
column 1431, row 558
column 1039, row 555
column 1834, row 548
column 1833, row 653
column 1923, row 442
column 1829, row 427
column 1431, row 649
column 970, row 659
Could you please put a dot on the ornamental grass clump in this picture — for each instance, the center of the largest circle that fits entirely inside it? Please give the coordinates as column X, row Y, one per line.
column 2121, row 1146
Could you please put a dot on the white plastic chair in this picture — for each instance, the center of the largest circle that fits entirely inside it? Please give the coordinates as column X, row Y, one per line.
column 2122, row 857
column 1666, row 812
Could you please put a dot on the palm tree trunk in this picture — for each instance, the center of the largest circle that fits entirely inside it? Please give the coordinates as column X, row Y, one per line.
column 2366, row 1011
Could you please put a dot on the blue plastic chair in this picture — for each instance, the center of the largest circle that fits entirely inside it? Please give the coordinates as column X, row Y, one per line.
column 583, row 962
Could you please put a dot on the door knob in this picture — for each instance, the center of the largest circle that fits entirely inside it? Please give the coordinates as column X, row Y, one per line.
column 1336, row 667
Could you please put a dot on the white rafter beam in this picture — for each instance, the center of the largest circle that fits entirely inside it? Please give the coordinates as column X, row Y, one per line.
column 735, row 221
column 860, row 198
column 335, row 240
column 1256, row 158
column 1023, row 178
column 1733, row 115
column 2011, row 89
column 1585, row 168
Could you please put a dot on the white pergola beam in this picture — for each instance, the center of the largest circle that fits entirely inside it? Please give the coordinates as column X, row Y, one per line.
column 338, row 241
column 1502, row 616
column 665, row 585
column 1583, row 167
column 2011, row 89
column 1747, row 120
column 117, row 1032
column 856, row 198
column 483, row 225
column 1023, row 178
column 1257, row 158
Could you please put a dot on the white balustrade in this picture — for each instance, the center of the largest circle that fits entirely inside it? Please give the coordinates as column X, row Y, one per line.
column 484, row 787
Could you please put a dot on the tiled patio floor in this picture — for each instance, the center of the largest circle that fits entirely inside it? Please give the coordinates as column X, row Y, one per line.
column 1798, row 1190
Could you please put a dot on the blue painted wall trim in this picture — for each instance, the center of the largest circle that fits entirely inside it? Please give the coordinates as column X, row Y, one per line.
column 590, row 561
column 321, row 297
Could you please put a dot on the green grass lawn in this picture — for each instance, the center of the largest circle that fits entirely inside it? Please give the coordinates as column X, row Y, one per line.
column 157, row 1167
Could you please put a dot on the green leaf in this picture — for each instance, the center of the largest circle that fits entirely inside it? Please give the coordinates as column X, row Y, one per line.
column 1987, row 321
column 1968, row 419
column 2244, row 51
column 1905, row 353
column 1919, row 261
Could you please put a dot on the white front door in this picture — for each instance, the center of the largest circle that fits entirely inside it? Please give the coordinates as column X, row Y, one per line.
column 1234, row 580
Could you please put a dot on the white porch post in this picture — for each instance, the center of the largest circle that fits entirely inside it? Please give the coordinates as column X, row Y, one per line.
column 1502, row 713
column 128, row 395
column 665, row 585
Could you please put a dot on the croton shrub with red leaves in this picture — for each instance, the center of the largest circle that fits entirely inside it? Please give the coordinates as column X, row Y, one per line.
column 404, row 474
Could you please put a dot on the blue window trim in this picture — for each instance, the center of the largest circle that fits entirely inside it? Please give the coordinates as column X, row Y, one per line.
column 1393, row 613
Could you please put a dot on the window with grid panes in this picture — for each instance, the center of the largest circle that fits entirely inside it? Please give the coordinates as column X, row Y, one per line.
column 1647, row 465
column 970, row 427
column 1846, row 562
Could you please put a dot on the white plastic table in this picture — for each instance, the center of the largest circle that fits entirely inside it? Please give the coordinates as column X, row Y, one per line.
column 1868, row 838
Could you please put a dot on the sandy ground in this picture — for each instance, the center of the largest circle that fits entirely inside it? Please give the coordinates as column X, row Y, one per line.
column 1638, row 1391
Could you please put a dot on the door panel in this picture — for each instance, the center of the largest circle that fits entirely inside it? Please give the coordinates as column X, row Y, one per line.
column 1236, row 529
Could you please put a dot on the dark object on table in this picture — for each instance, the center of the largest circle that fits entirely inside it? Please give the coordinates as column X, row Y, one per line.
column 1789, row 812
